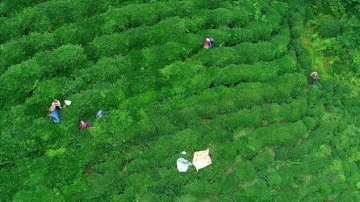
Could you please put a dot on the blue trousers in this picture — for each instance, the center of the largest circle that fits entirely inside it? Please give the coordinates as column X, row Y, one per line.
column 54, row 115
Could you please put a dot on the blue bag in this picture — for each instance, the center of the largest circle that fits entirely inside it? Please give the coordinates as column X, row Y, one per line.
column 100, row 114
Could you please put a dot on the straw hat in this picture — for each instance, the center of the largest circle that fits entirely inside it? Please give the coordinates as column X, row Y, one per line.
column 67, row 102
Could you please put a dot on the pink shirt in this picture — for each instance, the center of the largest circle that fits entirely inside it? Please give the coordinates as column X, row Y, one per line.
column 84, row 124
column 207, row 42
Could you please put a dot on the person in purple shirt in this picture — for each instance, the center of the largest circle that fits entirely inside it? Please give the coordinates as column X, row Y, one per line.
column 84, row 124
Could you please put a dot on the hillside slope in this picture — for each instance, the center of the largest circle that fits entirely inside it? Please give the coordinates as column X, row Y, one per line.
column 272, row 136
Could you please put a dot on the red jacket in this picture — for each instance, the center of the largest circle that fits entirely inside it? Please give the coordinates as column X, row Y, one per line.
column 207, row 42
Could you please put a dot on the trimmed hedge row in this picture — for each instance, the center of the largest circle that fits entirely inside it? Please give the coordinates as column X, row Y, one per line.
column 216, row 101
column 246, row 52
column 288, row 133
column 276, row 135
column 48, row 16
column 258, row 72
column 154, row 126
column 242, row 95
column 19, row 81
column 264, row 115
column 120, row 19
column 78, row 33
column 265, row 135
column 19, row 49
column 82, row 33
column 135, row 15
column 119, row 43
column 16, row 51
column 269, row 23
column 105, row 70
column 170, row 29
column 114, row 44
column 12, row 7
column 184, row 78
column 253, row 32
column 51, row 15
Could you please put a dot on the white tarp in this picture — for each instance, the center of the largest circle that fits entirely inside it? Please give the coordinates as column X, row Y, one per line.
column 183, row 164
column 201, row 159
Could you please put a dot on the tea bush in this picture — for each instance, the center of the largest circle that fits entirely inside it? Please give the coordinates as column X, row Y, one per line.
column 76, row 34
column 258, row 72
column 17, row 51
column 247, row 99
column 18, row 82
column 62, row 12
column 277, row 134
column 119, row 43
column 62, row 60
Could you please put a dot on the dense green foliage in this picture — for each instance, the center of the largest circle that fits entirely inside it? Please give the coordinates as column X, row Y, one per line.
column 272, row 136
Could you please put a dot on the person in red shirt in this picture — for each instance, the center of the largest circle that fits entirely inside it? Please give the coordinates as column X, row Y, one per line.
column 84, row 124
column 208, row 43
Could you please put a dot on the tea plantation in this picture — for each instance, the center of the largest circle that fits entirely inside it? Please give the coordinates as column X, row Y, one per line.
column 272, row 135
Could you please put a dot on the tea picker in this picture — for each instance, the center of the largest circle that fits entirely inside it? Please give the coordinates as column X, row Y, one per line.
column 314, row 76
column 53, row 111
column 209, row 43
